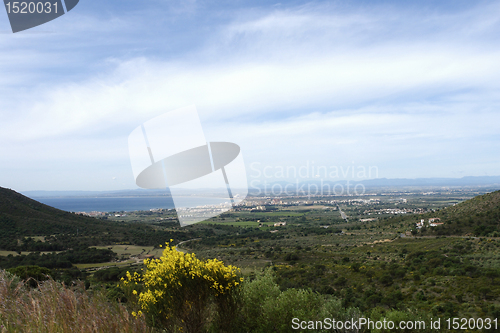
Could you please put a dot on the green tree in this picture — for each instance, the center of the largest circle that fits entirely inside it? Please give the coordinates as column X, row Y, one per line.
column 32, row 274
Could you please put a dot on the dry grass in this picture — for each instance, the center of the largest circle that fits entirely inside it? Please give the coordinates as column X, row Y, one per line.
column 53, row 307
column 127, row 250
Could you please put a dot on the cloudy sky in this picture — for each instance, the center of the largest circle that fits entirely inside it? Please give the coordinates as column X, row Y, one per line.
column 409, row 87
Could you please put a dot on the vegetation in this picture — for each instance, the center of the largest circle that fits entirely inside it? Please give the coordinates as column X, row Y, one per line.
column 54, row 307
column 374, row 264
column 59, row 260
column 179, row 291
column 22, row 219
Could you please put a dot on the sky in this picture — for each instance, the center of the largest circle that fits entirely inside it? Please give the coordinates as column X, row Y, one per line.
column 409, row 89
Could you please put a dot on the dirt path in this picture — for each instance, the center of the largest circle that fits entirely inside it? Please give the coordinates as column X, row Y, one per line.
column 177, row 247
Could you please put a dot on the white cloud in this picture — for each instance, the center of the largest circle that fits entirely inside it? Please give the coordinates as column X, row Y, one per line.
column 139, row 88
column 374, row 83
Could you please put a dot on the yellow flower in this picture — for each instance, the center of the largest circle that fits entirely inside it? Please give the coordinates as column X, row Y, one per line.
column 176, row 275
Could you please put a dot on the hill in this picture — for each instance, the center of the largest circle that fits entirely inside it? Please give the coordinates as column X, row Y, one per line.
column 479, row 216
column 22, row 218
column 27, row 217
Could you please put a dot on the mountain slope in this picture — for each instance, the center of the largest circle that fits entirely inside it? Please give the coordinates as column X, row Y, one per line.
column 30, row 217
column 479, row 216
column 22, row 217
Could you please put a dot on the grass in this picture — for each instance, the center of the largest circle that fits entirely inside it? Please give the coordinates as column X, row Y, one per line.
column 14, row 253
column 292, row 208
column 127, row 253
column 53, row 307
column 239, row 223
column 106, row 264
column 133, row 250
column 280, row 214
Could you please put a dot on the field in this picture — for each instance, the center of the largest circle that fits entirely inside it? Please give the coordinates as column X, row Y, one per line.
column 126, row 251
column 127, row 255
column 238, row 223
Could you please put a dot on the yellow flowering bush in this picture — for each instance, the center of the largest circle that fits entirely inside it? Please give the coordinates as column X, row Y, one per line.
column 179, row 291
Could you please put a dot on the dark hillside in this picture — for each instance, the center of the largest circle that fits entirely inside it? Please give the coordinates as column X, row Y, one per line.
column 22, row 218
column 28, row 217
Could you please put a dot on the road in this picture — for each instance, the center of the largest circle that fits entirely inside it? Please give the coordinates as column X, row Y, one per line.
column 342, row 213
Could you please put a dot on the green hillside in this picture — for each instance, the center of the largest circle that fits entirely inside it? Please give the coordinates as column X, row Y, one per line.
column 21, row 215
column 479, row 216
column 22, row 218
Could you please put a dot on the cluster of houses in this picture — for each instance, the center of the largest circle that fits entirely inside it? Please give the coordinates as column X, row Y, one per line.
column 433, row 222
column 394, row 211
column 277, row 224
column 92, row 214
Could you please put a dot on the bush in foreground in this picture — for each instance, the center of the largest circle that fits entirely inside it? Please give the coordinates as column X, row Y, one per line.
column 265, row 308
column 181, row 292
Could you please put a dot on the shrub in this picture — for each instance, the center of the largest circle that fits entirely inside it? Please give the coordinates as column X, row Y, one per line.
column 267, row 309
column 254, row 295
column 418, row 321
column 386, row 280
column 291, row 257
column 179, row 291
column 32, row 274
column 341, row 281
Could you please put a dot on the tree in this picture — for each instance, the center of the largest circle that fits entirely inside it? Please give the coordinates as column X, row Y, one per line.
column 492, row 274
column 33, row 274
column 484, row 291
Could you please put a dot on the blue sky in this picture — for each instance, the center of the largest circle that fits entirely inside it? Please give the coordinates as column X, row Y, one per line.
column 411, row 88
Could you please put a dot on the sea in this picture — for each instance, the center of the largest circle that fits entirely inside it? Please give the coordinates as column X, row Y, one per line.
column 118, row 204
